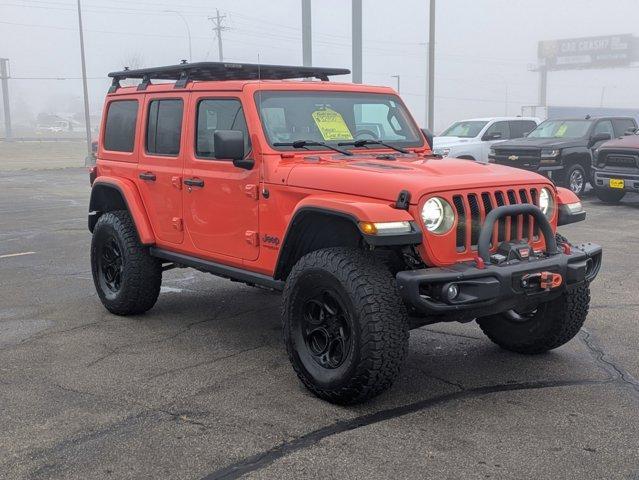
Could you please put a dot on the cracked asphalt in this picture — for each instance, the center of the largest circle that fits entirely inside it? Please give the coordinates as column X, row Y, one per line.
column 200, row 387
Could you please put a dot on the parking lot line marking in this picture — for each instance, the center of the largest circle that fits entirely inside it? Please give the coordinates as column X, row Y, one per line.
column 8, row 255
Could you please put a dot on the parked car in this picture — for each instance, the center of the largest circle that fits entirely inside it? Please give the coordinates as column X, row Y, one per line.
column 562, row 149
column 616, row 168
column 329, row 193
column 472, row 139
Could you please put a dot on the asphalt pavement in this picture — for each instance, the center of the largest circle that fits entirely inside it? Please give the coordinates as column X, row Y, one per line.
column 200, row 386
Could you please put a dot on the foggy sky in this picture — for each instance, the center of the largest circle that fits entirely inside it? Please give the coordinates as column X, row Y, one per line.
column 484, row 47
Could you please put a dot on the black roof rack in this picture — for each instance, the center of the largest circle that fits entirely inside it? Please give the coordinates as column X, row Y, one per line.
column 186, row 72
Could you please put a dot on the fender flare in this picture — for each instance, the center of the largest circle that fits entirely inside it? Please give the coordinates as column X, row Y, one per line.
column 133, row 201
column 568, row 215
column 345, row 208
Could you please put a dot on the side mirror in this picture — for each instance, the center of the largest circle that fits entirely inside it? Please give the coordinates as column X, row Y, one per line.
column 229, row 144
column 429, row 137
column 525, row 134
column 599, row 137
column 492, row 136
column 630, row 131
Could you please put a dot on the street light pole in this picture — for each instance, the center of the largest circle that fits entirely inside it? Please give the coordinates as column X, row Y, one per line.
column 396, row 77
column 307, row 35
column 87, row 118
column 431, row 67
column 188, row 31
column 4, row 76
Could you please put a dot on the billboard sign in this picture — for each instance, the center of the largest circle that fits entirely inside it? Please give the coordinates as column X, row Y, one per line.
column 587, row 52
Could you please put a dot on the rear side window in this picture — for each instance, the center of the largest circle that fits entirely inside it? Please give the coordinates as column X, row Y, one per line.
column 520, row 127
column 622, row 125
column 119, row 132
column 218, row 114
column 164, row 127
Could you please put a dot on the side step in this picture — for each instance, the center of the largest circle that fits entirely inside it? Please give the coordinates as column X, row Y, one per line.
column 232, row 273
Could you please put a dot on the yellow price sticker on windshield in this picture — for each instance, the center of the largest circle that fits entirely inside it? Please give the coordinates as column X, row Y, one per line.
column 331, row 125
column 561, row 131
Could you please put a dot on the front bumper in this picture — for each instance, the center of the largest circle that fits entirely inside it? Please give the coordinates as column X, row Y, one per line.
column 630, row 180
column 486, row 287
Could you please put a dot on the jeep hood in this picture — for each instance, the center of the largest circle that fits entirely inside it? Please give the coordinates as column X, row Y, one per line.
column 368, row 176
column 541, row 143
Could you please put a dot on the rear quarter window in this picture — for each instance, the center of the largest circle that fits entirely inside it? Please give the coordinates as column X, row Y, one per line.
column 119, row 131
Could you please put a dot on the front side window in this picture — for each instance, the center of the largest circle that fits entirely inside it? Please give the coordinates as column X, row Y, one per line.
column 218, row 114
column 335, row 117
column 119, row 131
column 164, row 127
column 604, row 126
column 464, row 129
column 498, row 130
column 561, row 129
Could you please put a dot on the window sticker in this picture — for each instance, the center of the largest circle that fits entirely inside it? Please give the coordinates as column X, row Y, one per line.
column 561, row 131
column 331, row 125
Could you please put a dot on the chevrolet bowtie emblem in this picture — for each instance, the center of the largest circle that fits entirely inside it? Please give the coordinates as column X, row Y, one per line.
column 513, row 158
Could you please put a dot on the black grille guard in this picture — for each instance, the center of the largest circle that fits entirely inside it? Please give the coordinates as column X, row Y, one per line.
column 483, row 244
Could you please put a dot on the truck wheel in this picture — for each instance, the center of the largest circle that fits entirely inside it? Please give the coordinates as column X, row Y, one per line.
column 576, row 179
column 126, row 277
column 609, row 196
column 345, row 326
column 548, row 326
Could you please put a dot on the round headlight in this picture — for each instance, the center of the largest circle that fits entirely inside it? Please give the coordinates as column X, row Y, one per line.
column 546, row 202
column 438, row 215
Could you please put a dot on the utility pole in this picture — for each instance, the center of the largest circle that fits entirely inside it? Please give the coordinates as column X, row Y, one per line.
column 4, row 75
column 396, row 77
column 218, row 28
column 188, row 31
column 307, row 37
column 87, row 118
column 543, row 85
column 430, row 123
column 357, row 40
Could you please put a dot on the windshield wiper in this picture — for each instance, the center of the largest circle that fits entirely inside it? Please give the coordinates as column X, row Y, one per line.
column 311, row 143
column 363, row 143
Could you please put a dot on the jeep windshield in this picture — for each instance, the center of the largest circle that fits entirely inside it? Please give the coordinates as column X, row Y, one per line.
column 561, row 129
column 335, row 118
column 464, row 129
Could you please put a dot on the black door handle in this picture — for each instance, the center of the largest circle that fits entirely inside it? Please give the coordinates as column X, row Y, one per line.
column 150, row 176
column 194, row 182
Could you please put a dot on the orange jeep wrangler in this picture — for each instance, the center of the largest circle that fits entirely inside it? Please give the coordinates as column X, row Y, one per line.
column 330, row 193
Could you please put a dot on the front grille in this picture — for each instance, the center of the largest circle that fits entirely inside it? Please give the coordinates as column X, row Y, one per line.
column 518, row 157
column 621, row 160
column 472, row 209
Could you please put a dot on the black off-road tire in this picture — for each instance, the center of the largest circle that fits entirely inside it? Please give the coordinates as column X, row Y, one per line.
column 141, row 274
column 609, row 196
column 553, row 324
column 378, row 323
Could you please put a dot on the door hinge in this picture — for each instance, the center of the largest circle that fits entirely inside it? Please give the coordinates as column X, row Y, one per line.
column 251, row 191
column 177, row 182
column 177, row 223
column 252, row 238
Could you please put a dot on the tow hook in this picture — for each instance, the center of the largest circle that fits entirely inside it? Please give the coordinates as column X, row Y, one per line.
column 541, row 280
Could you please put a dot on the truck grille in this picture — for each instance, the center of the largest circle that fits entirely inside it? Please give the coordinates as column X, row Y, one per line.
column 472, row 208
column 518, row 157
column 621, row 160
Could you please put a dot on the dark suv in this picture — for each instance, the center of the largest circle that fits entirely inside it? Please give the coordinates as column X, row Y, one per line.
column 616, row 168
column 562, row 149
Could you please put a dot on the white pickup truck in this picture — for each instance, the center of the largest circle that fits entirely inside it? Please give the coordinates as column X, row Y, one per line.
column 472, row 139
